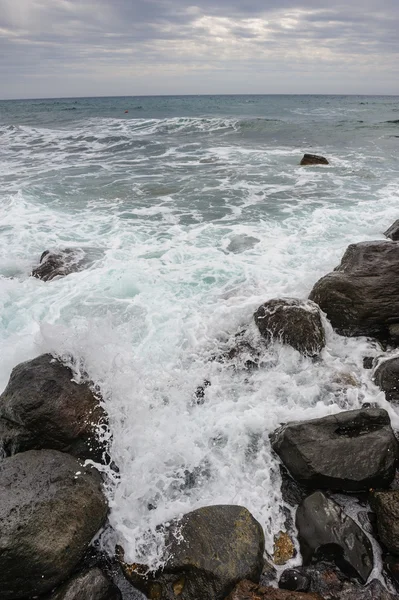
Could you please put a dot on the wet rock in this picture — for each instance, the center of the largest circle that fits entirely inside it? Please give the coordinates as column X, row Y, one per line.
column 240, row 243
column 386, row 377
column 291, row 491
column 246, row 590
column 386, row 506
column 89, row 585
column 391, row 566
column 59, row 264
column 325, row 532
column 284, row 548
column 51, row 507
column 361, row 297
column 393, row 231
column 42, row 407
column 350, row 451
column 294, row 580
column 208, row 551
column 199, row 394
column 313, row 159
column 368, row 362
column 292, row 322
column 269, row 574
column 373, row 591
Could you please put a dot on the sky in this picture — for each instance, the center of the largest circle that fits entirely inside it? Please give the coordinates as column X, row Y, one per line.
column 62, row 48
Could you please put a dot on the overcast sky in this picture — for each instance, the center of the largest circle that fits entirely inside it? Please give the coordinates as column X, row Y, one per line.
column 51, row 48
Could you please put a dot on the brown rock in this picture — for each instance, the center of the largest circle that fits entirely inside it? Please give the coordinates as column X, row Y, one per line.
column 313, row 159
column 284, row 548
column 386, row 506
column 246, row 590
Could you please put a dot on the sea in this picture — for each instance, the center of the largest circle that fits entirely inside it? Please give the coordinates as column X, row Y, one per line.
column 194, row 210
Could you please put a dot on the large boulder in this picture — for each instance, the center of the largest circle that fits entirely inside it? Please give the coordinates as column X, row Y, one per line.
column 386, row 506
column 325, row 532
column 393, row 231
column 386, row 376
column 42, row 407
column 208, row 551
column 361, row 297
column 92, row 584
column 247, row 590
column 292, row 322
column 59, row 263
column 313, row 159
column 51, row 507
column 351, row 451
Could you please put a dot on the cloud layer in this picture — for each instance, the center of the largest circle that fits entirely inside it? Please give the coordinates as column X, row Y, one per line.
column 108, row 47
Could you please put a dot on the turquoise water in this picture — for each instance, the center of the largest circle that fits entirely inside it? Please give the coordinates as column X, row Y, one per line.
column 195, row 210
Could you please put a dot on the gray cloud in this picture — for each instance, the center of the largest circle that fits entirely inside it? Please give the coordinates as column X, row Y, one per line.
column 90, row 47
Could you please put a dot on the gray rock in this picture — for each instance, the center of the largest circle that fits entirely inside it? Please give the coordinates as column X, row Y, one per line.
column 350, row 451
column 208, row 551
column 247, row 590
column 42, row 407
column 240, row 243
column 59, row 263
column 393, row 231
column 89, row 585
column 51, row 507
column 313, row 159
column 361, row 297
column 386, row 376
column 292, row 322
column 386, row 506
column 325, row 532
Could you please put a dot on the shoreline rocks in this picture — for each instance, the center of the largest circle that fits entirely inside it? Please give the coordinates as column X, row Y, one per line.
column 59, row 264
column 386, row 376
column 313, row 159
column 247, row 590
column 386, row 506
column 91, row 584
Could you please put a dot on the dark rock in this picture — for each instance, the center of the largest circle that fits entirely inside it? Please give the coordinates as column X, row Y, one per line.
column 313, row 159
column 199, row 394
column 350, row 451
column 89, row 585
column 292, row 322
column 361, row 297
column 393, row 231
column 368, row 362
column 386, row 377
column 59, row 264
column 42, row 407
column 246, row 590
column 208, row 551
column 51, row 507
column 291, row 491
column 391, row 565
column 294, row 580
column 240, row 243
column 269, row 574
column 386, row 506
column 325, row 532
column 373, row 591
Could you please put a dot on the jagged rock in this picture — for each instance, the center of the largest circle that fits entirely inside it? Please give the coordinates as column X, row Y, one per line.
column 284, row 548
column 325, row 532
column 51, row 507
column 208, row 551
column 393, row 231
column 292, row 322
column 92, row 584
column 313, row 159
column 246, row 590
column 59, row 264
column 42, row 407
column 386, row 506
column 361, row 297
column 350, row 451
column 386, row 377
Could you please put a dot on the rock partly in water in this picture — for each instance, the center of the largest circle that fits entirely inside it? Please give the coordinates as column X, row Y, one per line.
column 350, row 451
column 386, row 377
column 386, row 506
column 247, row 590
column 393, row 231
column 208, row 551
column 284, row 548
column 51, row 507
column 42, row 407
column 361, row 297
column 292, row 322
column 59, row 263
column 313, row 159
column 325, row 532
column 240, row 243
column 92, row 584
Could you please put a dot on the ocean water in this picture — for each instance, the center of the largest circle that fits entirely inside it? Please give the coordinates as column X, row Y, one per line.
column 194, row 211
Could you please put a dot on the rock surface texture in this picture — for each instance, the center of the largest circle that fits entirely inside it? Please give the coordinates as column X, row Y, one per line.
column 42, row 407
column 51, row 507
column 209, row 551
column 386, row 507
column 386, row 376
column 361, row 297
column 292, row 322
column 393, row 231
column 325, row 532
column 246, row 590
column 313, row 159
column 350, row 451
column 89, row 585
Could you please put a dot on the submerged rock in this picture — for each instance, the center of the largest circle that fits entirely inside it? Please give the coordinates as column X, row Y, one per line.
column 350, row 451
column 393, row 231
column 42, row 407
column 386, row 377
column 325, row 532
column 59, row 264
column 313, row 159
column 240, row 243
column 51, row 507
column 386, row 506
column 361, row 297
column 89, row 585
column 247, row 590
column 292, row 322
column 208, row 551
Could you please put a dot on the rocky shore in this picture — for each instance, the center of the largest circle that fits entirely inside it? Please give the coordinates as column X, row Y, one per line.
column 53, row 431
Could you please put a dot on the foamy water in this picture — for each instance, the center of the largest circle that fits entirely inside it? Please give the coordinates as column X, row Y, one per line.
column 192, row 221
